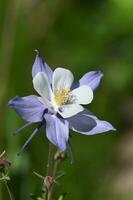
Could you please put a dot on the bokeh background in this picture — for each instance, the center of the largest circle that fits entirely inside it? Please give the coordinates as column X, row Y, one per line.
column 82, row 36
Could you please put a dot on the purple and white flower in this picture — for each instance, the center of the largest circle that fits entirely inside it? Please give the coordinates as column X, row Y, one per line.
column 59, row 104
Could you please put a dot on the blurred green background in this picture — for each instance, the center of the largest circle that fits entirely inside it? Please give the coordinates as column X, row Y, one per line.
column 82, row 36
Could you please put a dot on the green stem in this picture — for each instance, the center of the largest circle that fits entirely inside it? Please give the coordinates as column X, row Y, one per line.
column 50, row 191
column 49, row 164
column 49, row 197
column 8, row 190
column 56, row 165
column 54, row 174
column 49, row 171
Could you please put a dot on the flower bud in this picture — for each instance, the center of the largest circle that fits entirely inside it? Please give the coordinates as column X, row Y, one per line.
column 48, row 181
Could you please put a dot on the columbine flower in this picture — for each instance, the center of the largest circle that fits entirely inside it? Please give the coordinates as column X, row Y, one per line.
column 59, row 104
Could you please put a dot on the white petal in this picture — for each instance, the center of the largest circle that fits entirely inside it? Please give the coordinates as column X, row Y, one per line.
column 42, row 86
column 83, row 95
column 62, row 78
column 70, row 110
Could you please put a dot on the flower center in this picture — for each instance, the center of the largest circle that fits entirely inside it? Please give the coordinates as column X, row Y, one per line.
column 61, row 96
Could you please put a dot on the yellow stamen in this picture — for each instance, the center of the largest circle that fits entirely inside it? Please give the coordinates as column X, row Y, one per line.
column 61, row 96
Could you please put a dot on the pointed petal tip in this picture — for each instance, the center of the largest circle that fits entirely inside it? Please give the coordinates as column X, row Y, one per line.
column 40, row 65
column 36, row 50
column 100, row 73
column 113, row 129
column 29, row 108
column 109, row 126
column 97, row 72
column 92, row 79
column 89, row 124
column 38, row 53
column 11, row 102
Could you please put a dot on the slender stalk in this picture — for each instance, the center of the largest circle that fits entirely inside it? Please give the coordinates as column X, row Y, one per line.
column 50, row 157
column 49, row 197
column 49, row 171
column 55, row 168
column 56, row 165
column 8, row 190
column 50, row 190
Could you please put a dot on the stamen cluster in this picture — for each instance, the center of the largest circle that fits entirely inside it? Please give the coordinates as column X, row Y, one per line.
column 61, row 96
